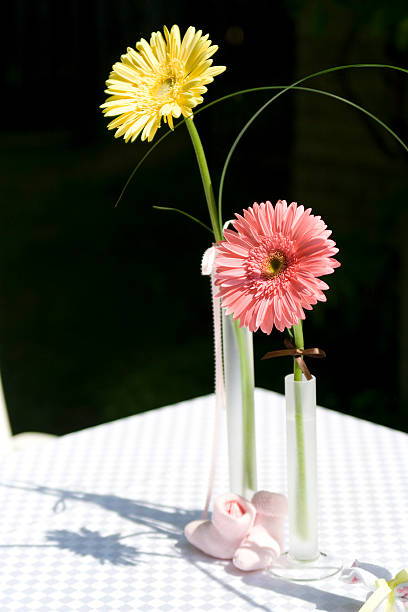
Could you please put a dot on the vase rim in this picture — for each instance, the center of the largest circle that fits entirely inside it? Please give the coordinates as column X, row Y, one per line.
column 289, row 378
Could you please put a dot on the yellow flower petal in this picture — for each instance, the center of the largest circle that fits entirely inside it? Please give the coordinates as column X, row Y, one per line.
column 147, row 54
column 158, row 46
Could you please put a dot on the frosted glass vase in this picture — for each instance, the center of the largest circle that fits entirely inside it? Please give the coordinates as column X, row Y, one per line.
column 301, row 468
column 238, row 363
column 303, row 561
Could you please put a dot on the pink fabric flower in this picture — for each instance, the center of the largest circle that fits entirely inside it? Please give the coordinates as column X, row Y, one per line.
column 249, row 533
column 267, row 271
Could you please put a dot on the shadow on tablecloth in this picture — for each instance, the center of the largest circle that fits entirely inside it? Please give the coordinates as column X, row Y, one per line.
column 169, row 521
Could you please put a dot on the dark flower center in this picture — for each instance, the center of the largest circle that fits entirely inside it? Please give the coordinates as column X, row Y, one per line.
column 274, row 265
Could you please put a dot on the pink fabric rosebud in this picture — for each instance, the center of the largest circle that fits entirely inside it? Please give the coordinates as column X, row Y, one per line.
column 231, row 520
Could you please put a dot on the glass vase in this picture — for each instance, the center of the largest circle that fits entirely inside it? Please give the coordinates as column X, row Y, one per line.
column 238, row 364
column 303, row 561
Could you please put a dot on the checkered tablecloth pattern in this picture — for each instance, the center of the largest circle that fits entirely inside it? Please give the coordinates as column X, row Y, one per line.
column 94, row 520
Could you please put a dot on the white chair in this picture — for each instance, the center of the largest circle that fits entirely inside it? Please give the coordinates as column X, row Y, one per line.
column 21, row 441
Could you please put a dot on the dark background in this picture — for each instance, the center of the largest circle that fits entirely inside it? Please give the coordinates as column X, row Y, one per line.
column 103, row 312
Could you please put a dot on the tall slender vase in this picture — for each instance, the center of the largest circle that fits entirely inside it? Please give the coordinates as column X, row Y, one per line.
column 303, row 561
column 239, row 396
column 301, row 468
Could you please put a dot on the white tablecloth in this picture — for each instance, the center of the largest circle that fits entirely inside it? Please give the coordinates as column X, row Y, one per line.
column 94, row 520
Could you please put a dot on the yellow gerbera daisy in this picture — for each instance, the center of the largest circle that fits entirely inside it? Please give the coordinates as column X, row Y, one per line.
column 163, row 79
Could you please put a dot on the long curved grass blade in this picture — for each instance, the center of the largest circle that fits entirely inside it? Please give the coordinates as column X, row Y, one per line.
column 182, row 212
column 283, row 88
column 302, row 80
column 295, row 86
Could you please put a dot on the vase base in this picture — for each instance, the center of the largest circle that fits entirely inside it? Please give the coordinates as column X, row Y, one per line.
column 288, row 568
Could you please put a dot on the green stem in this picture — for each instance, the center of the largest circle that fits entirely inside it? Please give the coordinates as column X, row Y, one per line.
column 302, row 510
column 205, row 177
column 248, row 412
column 299, row 343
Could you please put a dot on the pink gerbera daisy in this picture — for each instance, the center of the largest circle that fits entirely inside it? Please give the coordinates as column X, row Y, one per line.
column 267, row 271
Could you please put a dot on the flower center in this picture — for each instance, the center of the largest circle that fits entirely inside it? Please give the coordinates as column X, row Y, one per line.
column 274, row 265
column 163, row 89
